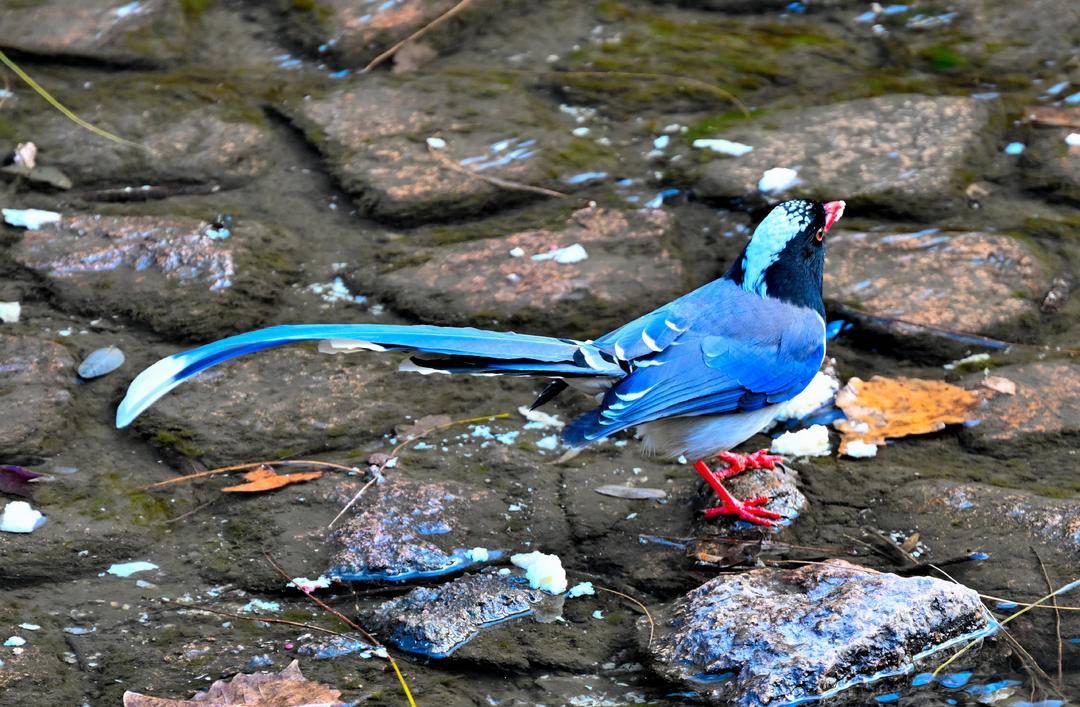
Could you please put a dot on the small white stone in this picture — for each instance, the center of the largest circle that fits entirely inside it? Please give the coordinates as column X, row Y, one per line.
column 10, row 312
column 724, row 147
column 19, row 517
column 517, row 252
column 778, row 179
column 1072, row 139
column 436, row 143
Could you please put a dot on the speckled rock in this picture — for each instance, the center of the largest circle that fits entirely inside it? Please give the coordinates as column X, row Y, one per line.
column 148, row 31
column 970, row 282
column 353, row 32
column 406, row 531
column 981, row 510
column 180, row 276
column 436, row 621
column 373, row 136
column 197, row 138
column 769, row 635
column 35, row 379
column 628, row 270
column 903, row 153
column 1046, row 407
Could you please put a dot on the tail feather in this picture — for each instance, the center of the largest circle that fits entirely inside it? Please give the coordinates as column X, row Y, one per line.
column 456, row 350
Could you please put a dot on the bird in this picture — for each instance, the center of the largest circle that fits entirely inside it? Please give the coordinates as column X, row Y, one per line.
column 696, row 377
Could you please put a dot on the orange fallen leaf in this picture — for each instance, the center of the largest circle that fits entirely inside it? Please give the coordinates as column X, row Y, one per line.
column 999, row 385
column 266, row 479
column 1051, row 117
column 289, row 688
column 898, row 407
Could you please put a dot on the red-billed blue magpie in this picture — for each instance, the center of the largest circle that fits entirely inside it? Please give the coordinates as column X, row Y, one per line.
column 697, row 376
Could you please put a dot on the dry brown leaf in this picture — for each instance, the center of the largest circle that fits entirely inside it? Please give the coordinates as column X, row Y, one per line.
column 266, row 479
column 637, row 493
column 412, row 56
column 898, row 407
column 999, row 384
column 911, row 543
column 289, row 688
column 425, row 424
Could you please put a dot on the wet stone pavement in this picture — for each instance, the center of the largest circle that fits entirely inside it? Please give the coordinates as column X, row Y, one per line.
column 552, row 168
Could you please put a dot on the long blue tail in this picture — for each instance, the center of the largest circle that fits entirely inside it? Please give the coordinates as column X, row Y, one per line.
column 452, row 349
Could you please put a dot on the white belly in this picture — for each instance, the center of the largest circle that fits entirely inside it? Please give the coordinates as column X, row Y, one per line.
column 703, row 436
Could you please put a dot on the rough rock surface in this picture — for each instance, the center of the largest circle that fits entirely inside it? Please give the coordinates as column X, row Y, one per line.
column 353, row 32
column 629, row 270
column 105, row 30
column 1051, row 165
column 292, row 401
column 983, row 509
column 195, row 137
column 1046, row 405
column 902, row 153
column 405, row 531
column 970, row 282
column 781, row 635
column 436, row 621
column 374, row 138
column 35, row 375
column 180, row 276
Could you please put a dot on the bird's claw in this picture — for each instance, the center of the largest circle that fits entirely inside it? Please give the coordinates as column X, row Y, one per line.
column 738, row 463
column 748, row 510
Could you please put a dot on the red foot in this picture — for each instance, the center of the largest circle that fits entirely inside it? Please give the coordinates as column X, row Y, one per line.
column 748, row 510
column 738, row 463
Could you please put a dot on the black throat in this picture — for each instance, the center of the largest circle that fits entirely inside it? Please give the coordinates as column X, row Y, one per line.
column 794, row 278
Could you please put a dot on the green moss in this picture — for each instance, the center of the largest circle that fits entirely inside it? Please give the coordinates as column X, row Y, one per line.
column 943, row 58
column 7, row 129
column 179, row 441
column 194, row 8
column 580, row 154
column 709, row 127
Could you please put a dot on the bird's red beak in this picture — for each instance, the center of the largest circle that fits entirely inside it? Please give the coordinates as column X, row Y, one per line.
column 833, row 211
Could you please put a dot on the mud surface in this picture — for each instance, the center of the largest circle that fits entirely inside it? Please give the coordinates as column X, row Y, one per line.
column 283, row 185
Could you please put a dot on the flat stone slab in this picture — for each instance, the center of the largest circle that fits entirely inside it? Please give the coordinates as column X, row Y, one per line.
column 182, row 277
column 373, row 136
column 772, row 635
column 147, row 31
column 902, row 153
column 1050, row 165
column 407, row 531
column 615, row 265
column 35, row 384
column 973, row 282
column 1054, row 522
column 205, row 139
column 1045, row 408
column 436, row 621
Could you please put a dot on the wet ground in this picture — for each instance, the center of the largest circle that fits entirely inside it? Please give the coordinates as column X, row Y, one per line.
column 284, row 186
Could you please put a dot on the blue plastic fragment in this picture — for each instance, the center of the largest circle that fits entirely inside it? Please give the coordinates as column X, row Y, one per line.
column 922, row 679
column 979, row 556
column 890, row 697
column 991, row 687
column 956, row 680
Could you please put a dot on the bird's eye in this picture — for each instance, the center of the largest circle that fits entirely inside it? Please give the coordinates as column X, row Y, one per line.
column 820, row 234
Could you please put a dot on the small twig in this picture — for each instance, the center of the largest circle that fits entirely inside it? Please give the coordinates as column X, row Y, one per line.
column 416, row 35
column 494, row 181
column 298, row 624
column 193, row 511
column 7, row 92
column 1067, row 588
column 687, row 80
column 402, row 445
column 1057, row 619
column 652, row 624
column 249, row 465
column 357, row 627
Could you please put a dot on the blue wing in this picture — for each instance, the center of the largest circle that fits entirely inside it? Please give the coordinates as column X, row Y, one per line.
column 735, row 352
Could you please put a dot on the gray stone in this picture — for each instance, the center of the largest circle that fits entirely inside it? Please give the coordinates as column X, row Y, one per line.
column 783, row 635
column 149, row 31
column 1050, row 165
column 35, row 379
column 406, row 531
column 970, row 282
column 180, row 276
column 1045, row 408
column 195, row 138
column 629, row 270
column 373, row 135
column 436, row 621
column 903, row 154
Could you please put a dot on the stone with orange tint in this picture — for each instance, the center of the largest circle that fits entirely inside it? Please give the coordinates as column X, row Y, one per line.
column 1046, row 406
column 183, row 277
column 374, row 138
column 104, row 30
column 970, row 282
column 904, row 153
column 628, row 270
column 35, row 386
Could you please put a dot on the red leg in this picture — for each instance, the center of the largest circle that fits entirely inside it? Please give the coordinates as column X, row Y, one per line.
column 738, row 463
column 745, row 510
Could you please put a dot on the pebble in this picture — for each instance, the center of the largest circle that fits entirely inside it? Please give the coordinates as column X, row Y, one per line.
column 101, row 362
column 10, row 312
column 778, row 179
column 19, row 517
